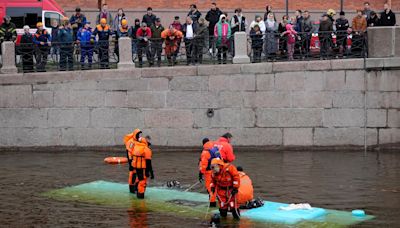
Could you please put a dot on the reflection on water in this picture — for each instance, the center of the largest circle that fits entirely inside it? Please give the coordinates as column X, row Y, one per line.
column 335, row 180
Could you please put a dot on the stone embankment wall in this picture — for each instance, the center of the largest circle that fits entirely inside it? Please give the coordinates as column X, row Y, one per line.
column 318, row 103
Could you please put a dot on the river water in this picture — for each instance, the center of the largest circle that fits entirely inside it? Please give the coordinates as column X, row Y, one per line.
column 334, row 180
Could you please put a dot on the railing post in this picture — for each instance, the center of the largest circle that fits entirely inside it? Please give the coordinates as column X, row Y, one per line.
column 125, row 53
column 8, row 57
column 241, row 48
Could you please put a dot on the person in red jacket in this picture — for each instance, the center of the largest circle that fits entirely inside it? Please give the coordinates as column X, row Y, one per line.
column 225, row 182
column 143, row 35
column 225, row 147
column 209, row 152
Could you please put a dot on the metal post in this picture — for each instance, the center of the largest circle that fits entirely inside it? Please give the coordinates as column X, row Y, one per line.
column 287, row 7
column 341, row 5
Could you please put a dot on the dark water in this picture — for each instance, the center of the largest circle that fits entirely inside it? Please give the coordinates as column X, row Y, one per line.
column 334, row 180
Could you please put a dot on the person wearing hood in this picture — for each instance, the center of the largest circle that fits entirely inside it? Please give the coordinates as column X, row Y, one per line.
column 373, row 20
column 225, row 147
column 205, row 174
column 171, row 36
column 258, row 21
column 84, row 36
column 325, row 30
column 388, row 18
column 132, row 34
column 222, row 34
column 290, row 34
column 225, row 183
column 26, row 48
column 117, row 22
column 271, row 36
column 201, row 39
column 212, row 17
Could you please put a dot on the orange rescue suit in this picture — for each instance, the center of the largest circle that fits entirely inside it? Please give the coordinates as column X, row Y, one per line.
column 225, row 148
column 245, row 190
column 204, row 169
column 224, row 182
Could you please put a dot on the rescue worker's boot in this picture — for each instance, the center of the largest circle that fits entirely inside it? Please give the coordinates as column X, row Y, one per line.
column 236, row 213
column 133, row 188
column 223, row 212
column 140, row 195
column 213, row 204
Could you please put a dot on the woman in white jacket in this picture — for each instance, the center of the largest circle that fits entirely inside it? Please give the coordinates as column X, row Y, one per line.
column 258, row 21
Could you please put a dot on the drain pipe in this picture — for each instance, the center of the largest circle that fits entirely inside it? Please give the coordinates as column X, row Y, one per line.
column 365, row 105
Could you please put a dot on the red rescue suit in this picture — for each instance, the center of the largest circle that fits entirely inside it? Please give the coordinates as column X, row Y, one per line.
column 225, row 149
column 245, row 190
column 204, row 168
column 224, row 182
column 130, row 140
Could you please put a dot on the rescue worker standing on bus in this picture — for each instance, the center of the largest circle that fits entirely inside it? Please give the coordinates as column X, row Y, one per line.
column 225, row 183
column 225, row 147
column 103, row 32
column 139, row 160
column 209, row 152
column 42, row 39
column 245, row 194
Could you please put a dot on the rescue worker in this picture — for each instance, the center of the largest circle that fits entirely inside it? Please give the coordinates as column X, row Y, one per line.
column 84, row 36
column 225, row 183
column 42, row 39
column 172, row 38
column 246, row 188
column 209, row 152
column 103, row 32
column 8, row 31
column 225, row 147
column 139, row 158
column 122, row 31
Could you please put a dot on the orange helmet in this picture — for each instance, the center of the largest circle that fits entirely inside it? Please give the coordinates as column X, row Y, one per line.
column 124, row 22
column 39, row 24
column 217, row 161
column 103, row 21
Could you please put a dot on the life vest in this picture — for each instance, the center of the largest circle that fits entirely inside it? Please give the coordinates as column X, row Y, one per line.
column 139, row 156
column 214, row 153
column 246, row 189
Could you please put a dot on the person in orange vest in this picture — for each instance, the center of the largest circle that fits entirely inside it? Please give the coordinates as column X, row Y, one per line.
column 245, row 194
column 130, row 140
column 225, row 183
column 225, row 147
column 209, row 152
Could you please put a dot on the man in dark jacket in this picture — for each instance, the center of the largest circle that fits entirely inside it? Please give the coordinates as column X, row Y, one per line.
column 77, row 21
column 307, row 30
column 156, row 42
column 388, row 18
column 8, row 31
column 212, row 17
column 373, row 20
column 325, row 29
column 149, row 18
column 42, row 39
column 189, row 31
column 299, row 20
column 342, row 24
column 194, row 13
column 132, row 34
column 201, row 37
column 66, row 38
column 26, row 49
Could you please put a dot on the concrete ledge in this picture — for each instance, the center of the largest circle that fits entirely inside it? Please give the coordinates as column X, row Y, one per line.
column 289, row 66
column 347, row 64
column 380, row 63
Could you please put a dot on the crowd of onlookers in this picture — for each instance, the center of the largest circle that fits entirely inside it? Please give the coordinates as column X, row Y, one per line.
column 213, row 33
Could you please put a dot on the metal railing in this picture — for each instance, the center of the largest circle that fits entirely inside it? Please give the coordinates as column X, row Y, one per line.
column 66, row 56
column 307, row 46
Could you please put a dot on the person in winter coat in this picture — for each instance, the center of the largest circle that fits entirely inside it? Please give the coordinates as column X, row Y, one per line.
column 258, row 21
column 299, row 20
column 149, row 18
column 55, row 48
column 26, row 48
column 42, row 40
column 194, row 13
column 143, row 36
column 325, row 29
column 117, row 22
column 8, row 30
column 342, row 24
column 84, row 35
column 156, row 42
column 282, row 29
column 388, row 18
column 373, row 20
column 290, row 34
column 222, row 34
column 66, row 38
column 189, row 31
column 212, row 17
column 132, row 34
column 104, row 13
column 201, row 39
column 359, row 23
column 171, row 36
column 77, row 21
column 307, row 29
column 256, row 37
column 271, row 36
column 103, row 31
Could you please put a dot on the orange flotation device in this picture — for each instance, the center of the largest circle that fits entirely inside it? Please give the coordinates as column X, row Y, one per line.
column 116, row 160
column 245, row 189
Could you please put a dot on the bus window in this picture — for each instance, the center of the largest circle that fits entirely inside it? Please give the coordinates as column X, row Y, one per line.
column 49, row 17
column 31, row 19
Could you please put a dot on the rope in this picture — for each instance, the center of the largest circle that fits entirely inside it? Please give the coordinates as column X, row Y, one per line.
column 192, row 186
